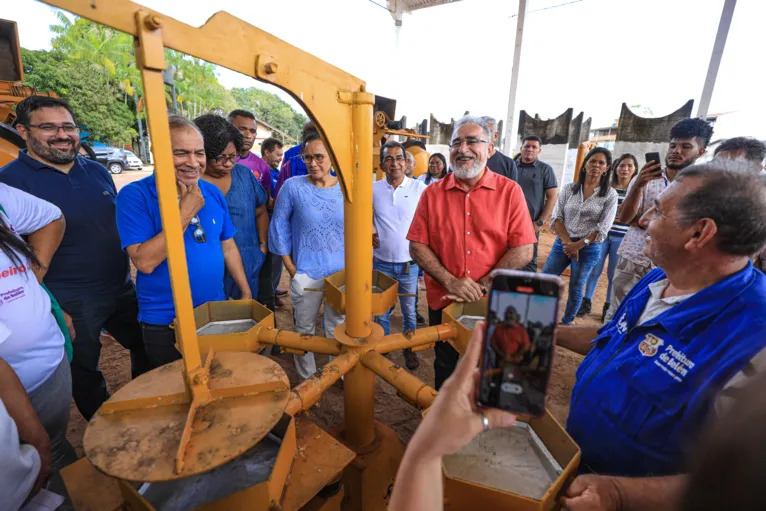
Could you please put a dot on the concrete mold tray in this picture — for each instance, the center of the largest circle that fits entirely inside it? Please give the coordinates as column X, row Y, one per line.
column 254, row 480
column 384, row 292
column 231, row 325
column 520, row 468
column 464, row 316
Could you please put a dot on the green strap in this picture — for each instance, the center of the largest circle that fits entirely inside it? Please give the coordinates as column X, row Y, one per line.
column 58, row 313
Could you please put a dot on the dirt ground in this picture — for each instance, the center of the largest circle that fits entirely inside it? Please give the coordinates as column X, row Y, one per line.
column 389, row 409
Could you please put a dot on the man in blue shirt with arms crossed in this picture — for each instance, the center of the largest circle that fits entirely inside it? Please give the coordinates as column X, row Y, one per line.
column 650, row 378
column 208, row 239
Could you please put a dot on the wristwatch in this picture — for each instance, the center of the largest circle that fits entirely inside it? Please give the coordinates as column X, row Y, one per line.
column 540, row 223
column 586, row 241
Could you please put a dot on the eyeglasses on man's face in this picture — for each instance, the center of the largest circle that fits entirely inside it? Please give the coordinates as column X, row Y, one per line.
column 308, row 158
column 53, row 129
column 471, row 142
column 391, row 159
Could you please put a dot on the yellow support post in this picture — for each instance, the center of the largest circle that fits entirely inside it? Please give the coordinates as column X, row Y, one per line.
column 150, row 53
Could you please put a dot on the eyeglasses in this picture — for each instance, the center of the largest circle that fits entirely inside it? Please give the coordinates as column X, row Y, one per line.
column 199, row 232
column 53, row 129
column 222, row 159
column 389, row 159
column 470, row 142
column 308, row 158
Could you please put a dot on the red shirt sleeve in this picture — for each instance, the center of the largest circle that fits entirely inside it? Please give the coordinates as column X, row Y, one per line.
column 419, row 227
column 520, row 230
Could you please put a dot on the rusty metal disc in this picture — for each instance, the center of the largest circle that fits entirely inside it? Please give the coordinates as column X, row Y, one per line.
column 137, row 433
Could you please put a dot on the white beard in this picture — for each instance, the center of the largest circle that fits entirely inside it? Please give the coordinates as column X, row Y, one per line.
column 470, row 173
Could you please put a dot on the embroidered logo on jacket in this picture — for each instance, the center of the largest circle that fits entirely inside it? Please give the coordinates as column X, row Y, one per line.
column 650, row 345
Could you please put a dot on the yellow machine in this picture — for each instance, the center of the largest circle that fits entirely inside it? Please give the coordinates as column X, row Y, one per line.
column 223, row 409
column 11, row 90
column 383, row 126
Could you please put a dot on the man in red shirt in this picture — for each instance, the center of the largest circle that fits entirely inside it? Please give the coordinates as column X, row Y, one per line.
column 510, row 339
column 467, row 224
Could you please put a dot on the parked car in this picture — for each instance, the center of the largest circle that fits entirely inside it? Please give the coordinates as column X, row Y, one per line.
column 113, row 158
column 134, row 162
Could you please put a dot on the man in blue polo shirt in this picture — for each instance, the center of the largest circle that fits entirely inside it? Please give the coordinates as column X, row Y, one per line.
column 649, row 381
column 89, row 273
column 208, row 239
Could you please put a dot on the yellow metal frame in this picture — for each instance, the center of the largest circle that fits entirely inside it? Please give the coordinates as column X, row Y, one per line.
column 342, row 110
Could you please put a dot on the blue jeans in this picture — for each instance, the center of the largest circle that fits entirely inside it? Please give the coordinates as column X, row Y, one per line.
column 608, row 248
column 408, row 284
column 556, row 264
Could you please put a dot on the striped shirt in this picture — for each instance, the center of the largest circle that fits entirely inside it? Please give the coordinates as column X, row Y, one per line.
column 617, row 228
column 582, row 217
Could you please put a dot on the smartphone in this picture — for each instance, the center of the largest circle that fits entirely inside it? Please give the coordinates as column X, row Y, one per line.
column 655, row 157
column 519, row 337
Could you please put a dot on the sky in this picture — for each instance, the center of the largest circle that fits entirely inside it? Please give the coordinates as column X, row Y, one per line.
column 591, row 55
column 531, row 308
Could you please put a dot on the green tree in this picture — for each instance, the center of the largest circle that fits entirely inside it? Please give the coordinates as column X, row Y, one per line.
column 80, row 83
column 271, row 109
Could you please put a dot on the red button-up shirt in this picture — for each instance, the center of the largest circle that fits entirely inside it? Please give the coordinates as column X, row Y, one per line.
column 470, row 231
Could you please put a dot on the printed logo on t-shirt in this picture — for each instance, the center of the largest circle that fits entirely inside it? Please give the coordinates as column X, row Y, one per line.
column 11, row 295
column 13, row 270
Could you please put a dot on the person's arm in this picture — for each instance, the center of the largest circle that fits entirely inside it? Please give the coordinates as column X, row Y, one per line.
column 20, row 409
column 280, row 229
column 262, row 223
column 44, row 242
column 576, row 338
column 561, row 232
column 607, row 217
column 233, row 261
column 462, row 289
column 418, row 485
column 551, row 195
column 147, row 255
column 515, row 258
column 633, row 205
column 608, row 493
column 39, row 220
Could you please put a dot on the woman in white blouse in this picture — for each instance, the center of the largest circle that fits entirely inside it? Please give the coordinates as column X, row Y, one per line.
column 584, row 213
column 437, row 169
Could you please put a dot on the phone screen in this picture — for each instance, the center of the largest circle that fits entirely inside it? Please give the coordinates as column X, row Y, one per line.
column 655, row 157
column 518, row 343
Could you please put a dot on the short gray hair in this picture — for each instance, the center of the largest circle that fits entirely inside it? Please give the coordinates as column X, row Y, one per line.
column 409, row 156
column 472, row 119
column 177, row 122
column 492, row 123
column 734, row 198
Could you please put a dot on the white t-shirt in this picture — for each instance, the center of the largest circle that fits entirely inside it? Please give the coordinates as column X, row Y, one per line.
column 20, row 465
column 422, row 178
column 30, row 339
column 392, row 214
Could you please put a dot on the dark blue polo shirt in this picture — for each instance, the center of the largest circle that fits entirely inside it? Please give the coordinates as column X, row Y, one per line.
column 90, row 261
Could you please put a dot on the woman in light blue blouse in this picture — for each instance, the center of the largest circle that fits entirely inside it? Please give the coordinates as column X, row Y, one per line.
column 307, row 231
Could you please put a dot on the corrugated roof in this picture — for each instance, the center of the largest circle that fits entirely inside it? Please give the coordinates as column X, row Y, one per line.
column 414, row 5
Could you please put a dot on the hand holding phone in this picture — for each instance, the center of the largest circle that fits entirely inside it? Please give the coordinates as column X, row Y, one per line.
column 652, row 170
column 517, row 355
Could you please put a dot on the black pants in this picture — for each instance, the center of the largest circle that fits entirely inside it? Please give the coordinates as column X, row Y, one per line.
column 532, row 265
column 160, row 342
column 446, row 356
column 265, row 292
column 118, row 314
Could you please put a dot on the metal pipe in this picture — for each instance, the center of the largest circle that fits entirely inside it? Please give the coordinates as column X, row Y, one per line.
column 715, row 58
column 305, row 395
column 300, row 342
column 510, row 122
column 358, row 221
column 416, row 338
column 359, row 407
column 410, row 387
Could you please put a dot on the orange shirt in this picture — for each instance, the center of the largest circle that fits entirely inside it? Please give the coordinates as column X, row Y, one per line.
column 470, row 231
column 511, row 340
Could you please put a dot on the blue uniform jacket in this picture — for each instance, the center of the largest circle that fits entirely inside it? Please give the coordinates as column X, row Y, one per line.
column 644, row 393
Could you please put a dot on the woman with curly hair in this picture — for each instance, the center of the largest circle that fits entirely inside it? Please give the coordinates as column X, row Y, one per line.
column 244, row 195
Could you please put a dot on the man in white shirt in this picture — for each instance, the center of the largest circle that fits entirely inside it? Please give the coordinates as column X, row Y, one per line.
column 394, row 201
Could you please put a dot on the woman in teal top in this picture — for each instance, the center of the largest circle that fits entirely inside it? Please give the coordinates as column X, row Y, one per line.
column 244, row 195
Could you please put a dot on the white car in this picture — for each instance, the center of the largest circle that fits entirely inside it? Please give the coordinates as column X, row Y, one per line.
column 133, row 161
